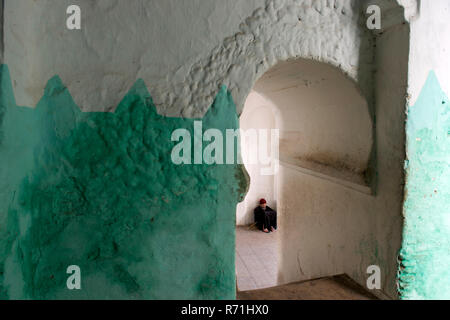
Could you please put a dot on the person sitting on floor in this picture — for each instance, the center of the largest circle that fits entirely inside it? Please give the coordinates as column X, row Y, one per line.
column 265, row 217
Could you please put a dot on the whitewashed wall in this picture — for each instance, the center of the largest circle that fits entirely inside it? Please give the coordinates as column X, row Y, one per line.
column 259, row 114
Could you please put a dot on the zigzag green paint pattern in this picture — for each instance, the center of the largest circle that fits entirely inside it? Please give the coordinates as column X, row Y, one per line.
column 99, row 190
column 425, row 255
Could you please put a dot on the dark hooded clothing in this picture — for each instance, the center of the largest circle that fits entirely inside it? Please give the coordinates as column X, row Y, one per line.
column 265, row 218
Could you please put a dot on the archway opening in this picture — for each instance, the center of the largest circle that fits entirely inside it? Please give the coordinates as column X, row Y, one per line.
column 324, row 151
column 256, row 251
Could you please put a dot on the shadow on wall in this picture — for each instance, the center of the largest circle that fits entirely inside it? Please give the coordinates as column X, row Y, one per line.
column 324, row 120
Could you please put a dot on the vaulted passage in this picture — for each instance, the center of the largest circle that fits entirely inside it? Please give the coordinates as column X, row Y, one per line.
column 321, row 186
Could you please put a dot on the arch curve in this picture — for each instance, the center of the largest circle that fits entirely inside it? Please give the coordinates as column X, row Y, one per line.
column 324, row 31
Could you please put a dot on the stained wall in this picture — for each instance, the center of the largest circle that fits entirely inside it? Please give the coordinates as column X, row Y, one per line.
column 425, row 258
column 184, row 52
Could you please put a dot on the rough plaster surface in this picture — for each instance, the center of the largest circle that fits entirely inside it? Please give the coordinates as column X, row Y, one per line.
column 101, row 62
column 326, row 229
column 100, row 191
column 391, row 90
column 430, row 48
column 1, row 31
column 425, row 256
column 313, row 101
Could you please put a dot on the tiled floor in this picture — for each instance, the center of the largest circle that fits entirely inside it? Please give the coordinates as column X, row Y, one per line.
column 256, row 259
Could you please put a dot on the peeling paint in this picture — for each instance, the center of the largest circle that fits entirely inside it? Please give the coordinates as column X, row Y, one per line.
column 99, row 190
column 425, row 254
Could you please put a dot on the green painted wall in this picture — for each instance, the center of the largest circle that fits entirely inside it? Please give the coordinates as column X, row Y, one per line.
column 425, row 255
column 99, row 190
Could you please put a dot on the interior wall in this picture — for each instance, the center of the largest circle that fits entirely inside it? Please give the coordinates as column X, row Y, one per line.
column 425, row 259
column 231, row 42
column 1, row 31
column 100, row 191
column 259, row 114
column 314, row 100
column 380, row 223
column 331, row 221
